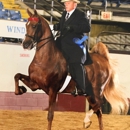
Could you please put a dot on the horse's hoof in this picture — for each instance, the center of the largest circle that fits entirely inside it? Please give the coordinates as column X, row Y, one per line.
column 22, row 89
column 87, row 125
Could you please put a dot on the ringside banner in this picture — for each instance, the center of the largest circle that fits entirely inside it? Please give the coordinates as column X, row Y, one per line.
column 13, row 29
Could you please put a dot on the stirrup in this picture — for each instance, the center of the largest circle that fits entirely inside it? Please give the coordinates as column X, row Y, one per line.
column 82, row 93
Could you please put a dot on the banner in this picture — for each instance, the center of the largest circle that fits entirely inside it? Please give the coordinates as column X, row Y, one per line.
column 13, row 29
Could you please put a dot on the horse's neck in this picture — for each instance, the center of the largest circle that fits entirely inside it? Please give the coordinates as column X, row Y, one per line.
column 46, row 39
column 48, row 52
column 46, row 48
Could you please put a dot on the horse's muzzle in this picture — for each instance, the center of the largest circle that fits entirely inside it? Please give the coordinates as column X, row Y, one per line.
column 27, row 45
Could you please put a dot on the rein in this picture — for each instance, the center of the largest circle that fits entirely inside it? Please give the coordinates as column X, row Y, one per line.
column 38, row 48
column 36, row 42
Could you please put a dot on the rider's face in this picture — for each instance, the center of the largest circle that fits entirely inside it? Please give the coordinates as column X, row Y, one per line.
column 70, row 5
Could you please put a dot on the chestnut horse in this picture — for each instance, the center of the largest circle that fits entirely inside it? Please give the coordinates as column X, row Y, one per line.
column 48, row 71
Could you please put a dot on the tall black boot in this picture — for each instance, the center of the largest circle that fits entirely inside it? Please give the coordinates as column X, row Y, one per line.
column 85, row 86
column 89, row 88
column 78, row 74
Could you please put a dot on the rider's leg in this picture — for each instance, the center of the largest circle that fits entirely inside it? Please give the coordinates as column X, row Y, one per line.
column 78, row 74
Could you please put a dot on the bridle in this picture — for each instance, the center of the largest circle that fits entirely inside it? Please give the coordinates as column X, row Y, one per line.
column 35, row 37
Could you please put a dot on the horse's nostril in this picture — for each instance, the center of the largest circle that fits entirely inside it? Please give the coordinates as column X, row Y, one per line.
column 26, row 45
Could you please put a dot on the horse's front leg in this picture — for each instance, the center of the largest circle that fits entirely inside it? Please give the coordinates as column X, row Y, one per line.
column 26, row 80
column 52, row 102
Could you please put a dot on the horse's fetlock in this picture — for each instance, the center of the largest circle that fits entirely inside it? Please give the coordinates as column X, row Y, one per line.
column 50, row 117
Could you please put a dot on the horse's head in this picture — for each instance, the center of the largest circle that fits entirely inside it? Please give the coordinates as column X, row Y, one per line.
column 33, row 30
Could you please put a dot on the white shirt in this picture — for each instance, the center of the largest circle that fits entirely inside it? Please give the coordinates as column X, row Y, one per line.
column 70, row 13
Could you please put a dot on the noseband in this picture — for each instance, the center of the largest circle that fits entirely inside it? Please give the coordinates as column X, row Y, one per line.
column 34, row 38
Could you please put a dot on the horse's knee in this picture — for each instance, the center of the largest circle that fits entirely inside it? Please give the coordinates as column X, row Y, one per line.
column 17, row 76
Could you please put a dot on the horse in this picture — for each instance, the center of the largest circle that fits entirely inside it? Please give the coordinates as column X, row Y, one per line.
column 48, row 71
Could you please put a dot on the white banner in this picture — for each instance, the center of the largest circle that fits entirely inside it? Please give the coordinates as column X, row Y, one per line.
column 12, row 29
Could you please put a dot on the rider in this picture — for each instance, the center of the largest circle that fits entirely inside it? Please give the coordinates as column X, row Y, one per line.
column 70, row 28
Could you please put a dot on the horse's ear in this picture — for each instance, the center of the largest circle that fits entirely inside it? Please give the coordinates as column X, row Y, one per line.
column 35, row 12
column 29, row 13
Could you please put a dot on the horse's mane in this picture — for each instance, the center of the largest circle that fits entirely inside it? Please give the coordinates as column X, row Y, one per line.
column 101, row 49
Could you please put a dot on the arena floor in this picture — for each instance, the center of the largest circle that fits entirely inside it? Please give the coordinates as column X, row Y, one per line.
column 37, row 120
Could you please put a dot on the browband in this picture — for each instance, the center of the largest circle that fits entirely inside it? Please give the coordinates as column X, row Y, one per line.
column 33, row 19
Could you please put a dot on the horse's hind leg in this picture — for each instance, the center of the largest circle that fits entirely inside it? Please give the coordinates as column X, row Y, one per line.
column 99, row 115
column 26, row 80
column 87, row 121
column 95, row 108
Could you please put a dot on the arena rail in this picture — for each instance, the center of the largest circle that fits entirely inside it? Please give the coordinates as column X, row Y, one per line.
column 117, row 42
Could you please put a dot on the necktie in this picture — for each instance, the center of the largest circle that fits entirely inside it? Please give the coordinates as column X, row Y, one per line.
column 67, row 16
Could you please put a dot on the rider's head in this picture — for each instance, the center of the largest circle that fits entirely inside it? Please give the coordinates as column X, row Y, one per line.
column 70, row 4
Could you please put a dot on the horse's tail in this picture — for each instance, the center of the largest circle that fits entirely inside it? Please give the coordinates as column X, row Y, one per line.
column 115, row 96
column 112, row 91
column 101, row 49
